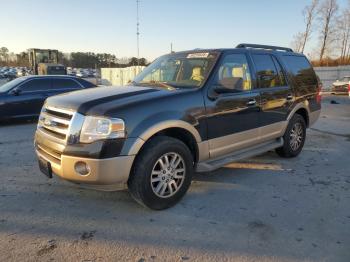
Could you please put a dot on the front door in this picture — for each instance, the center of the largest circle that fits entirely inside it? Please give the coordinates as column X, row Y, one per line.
column 31, row 97
column 232, row 116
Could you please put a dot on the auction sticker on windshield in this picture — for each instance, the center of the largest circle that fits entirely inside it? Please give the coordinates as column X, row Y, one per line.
column 198, row 55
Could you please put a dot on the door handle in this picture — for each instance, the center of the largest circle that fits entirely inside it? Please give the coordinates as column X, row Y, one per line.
column 289, row 97
column 251, row 102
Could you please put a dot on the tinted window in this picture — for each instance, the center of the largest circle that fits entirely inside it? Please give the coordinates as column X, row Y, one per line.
column 36, row 85
column 301, row 70
column 281, row 76
column 65, row 84
column 234, row 73
column 267, row 73
column 9, row 85
column 85, row 83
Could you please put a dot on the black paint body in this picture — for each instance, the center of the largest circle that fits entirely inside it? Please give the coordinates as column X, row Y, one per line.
column 213, row 115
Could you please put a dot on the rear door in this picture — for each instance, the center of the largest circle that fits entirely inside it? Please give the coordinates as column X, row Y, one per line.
column 232, row 118
column 275, row 94
column 63, row 85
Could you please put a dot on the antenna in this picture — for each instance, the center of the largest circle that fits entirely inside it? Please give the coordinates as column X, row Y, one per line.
column 138, row 32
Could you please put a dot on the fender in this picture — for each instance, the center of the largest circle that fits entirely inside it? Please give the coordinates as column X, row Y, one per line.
column 148, row 133
column 304, row 105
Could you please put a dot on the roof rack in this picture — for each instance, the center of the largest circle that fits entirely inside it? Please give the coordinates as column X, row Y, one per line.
column 269, row 47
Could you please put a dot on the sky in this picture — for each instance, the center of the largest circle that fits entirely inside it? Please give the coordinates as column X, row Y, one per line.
column 109, row 26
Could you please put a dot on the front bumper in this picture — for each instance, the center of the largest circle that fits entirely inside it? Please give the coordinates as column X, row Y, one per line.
column 103, row 173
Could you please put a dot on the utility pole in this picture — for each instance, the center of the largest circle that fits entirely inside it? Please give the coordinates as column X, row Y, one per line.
column 171, row 47
column 138, row 32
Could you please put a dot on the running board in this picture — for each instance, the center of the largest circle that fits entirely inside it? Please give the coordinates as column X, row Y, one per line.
column 213, row 164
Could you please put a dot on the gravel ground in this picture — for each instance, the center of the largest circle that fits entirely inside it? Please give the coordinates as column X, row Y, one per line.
column 265, row 208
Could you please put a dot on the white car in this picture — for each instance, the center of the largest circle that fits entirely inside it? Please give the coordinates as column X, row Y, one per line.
column 341, row 86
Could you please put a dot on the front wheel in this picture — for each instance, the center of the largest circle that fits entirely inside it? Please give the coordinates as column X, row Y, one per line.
column 294, row 137
column 162, row 173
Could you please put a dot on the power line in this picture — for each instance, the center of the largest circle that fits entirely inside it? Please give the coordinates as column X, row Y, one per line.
column 138, row 32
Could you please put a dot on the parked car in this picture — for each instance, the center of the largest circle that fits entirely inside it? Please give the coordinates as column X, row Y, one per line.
column 25, row 96
column 341, row 87
column 81, row 74
column 188, row 111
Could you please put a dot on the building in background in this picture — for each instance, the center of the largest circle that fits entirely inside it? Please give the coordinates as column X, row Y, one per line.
column 119, row 76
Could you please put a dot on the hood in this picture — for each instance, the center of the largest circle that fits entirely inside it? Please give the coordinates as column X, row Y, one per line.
column 101, row 99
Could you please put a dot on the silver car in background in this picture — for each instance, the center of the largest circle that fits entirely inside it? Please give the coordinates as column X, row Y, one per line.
column 341, row 87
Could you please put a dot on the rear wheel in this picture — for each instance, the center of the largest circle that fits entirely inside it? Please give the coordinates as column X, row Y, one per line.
column 162, row 173
column 294, row 137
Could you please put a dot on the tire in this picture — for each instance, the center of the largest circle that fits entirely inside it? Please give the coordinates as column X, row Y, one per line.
column 292, row 144
column 149, row 185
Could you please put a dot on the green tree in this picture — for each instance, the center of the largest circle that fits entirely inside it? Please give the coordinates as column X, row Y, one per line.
column 22, row 59
column 4, row 53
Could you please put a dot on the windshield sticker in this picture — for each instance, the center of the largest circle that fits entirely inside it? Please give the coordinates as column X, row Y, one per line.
column 198, row 55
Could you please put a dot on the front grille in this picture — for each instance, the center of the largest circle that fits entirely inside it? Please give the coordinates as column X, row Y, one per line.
column 55, row 122
column 49, row 153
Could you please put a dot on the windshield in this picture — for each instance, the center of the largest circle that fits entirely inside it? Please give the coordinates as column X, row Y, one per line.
column 9, row 85
column 346, row 79
column 181, row 70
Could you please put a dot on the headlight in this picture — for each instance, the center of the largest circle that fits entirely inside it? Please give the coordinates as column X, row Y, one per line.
column 97, row 128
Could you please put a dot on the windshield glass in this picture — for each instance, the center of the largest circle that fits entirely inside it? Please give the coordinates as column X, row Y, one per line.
column 181, row 70
column 9, row 85
column 346, row 79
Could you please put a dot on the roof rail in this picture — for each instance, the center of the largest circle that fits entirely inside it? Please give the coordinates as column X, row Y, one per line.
column 269, row 47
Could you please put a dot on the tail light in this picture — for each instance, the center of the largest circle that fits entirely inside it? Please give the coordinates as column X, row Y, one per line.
column 319, row 93
column 349, row 89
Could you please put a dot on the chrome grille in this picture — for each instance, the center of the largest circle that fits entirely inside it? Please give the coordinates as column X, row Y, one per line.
column 49, row 153
column 55, row 122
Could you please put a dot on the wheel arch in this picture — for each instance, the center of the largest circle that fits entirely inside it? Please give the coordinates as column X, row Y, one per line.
column 178, row 129
column 303, row 110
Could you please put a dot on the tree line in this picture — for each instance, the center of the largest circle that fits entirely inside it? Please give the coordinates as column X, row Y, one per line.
column 324, row 20
column 74, row 59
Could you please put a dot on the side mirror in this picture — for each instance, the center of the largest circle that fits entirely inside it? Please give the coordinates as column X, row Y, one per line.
column 15, row 91
column 229, row 85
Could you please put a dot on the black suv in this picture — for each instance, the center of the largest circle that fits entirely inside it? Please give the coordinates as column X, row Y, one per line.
column 188, row 111
column 25, row 96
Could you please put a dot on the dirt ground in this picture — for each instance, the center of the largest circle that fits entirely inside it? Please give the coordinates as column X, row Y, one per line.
column 262, row 209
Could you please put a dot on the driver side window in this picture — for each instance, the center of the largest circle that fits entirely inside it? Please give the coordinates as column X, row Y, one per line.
column 234, row 73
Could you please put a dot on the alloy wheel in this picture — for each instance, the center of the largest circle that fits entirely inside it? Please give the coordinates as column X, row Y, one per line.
column 168, row 175
column 296, row 136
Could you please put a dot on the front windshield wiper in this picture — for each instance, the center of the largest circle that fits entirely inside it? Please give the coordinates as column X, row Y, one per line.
column 155, row 83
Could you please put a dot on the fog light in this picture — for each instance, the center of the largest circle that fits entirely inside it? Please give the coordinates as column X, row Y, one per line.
column 82, row 168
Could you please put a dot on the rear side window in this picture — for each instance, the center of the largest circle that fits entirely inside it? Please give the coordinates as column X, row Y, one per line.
column 301, row 70
column 86, row 84
column 281, row 76
column 36, row 85
column 65, row 84
column 269, row 71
